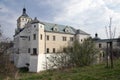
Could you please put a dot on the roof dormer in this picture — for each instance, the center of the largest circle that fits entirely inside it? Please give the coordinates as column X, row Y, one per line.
column 55, row 28
column 67, row 30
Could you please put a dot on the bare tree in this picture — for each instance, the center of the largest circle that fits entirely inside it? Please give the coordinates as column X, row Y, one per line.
column 109, row 51
column 7, row 69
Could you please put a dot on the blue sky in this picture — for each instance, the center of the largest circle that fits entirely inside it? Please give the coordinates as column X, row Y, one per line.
column 89, row 15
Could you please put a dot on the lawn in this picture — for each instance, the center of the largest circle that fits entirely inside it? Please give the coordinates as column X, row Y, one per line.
column 94, row 72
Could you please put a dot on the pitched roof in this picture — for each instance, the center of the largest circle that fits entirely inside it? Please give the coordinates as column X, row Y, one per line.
column 35, row 21
column 81, row 32
column 107, row 40
column 61, row 28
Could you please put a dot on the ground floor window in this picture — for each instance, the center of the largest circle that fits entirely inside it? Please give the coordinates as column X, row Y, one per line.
column 47, row 50
column 53, row 50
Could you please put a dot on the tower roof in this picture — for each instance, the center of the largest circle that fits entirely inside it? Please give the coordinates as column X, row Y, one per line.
column 96, row 37
column 24, row 13
column 35, row 20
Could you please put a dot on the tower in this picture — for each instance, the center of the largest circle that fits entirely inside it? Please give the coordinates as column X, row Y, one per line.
column 96, row 35
column 22, row 20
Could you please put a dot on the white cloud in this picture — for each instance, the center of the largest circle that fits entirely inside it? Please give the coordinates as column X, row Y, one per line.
column 89, row 15
column 8, row 19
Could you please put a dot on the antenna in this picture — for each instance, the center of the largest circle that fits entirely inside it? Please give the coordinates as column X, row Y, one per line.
column 24, row 4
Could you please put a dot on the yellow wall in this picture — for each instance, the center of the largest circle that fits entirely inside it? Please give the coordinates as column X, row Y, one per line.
column 58, row 43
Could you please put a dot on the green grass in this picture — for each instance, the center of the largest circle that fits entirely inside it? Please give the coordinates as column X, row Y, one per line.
column 94, row 72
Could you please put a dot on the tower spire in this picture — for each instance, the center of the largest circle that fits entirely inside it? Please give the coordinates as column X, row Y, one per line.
column 96, row 35
column 24, row 10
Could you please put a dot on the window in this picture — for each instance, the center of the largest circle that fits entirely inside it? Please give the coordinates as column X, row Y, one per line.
column 64, row 39
column 34, row 36
column 66, row 29
column 64, row 49
column 29, row 38
column 47, row 50
column 18, row 51
column 41, row 26
column 47, row 37
column 71, row 38
column 41, row 36
column 55, row 29
column 53, row 38
column 34, row 51
column 71, row 49
column 100, row 45
column 81, row 40
column 28, row 50
column 53, row 50
column 34, row 26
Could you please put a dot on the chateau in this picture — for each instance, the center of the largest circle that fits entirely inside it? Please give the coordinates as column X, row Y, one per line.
column 35, row 40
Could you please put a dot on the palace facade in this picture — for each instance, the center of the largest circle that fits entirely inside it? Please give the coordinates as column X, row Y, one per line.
column 34, row 40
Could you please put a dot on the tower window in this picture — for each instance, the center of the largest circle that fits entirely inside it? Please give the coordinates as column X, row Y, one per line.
column 81, row 40
column 34, row 26
column 41, row 36
column 34, row 36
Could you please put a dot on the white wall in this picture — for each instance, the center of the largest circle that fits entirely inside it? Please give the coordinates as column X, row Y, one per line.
column 39, row 62
column 33, row 63
column 20, row 60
